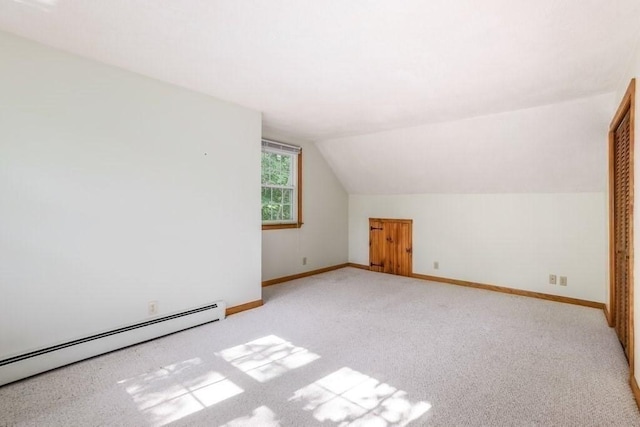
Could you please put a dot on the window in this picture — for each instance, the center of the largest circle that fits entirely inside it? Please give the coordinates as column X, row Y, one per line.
column 281, row 185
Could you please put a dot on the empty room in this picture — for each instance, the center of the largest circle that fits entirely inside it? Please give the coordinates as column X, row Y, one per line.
column 301, row 213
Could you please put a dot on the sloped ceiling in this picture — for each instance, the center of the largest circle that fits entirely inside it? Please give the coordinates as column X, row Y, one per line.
column 557, row 148
column 333, row 68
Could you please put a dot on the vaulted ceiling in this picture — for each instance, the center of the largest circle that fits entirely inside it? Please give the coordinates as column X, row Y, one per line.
column 333, row 68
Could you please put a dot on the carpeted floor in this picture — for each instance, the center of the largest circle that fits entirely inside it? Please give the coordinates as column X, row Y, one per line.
column 352, row 347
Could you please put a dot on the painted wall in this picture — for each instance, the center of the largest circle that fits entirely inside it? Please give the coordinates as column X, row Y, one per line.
column 512, row 240
column 323, row 238
column 116, row 190
column 505, row 199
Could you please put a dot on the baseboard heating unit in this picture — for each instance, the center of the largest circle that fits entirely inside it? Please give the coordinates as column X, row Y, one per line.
column 34, row 362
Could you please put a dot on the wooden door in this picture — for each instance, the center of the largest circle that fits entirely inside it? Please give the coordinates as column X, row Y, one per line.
column 377, row 246
column 622, row 215
column 390, row 246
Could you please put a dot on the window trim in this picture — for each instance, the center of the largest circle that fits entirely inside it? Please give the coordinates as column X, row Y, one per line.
column 298, row 223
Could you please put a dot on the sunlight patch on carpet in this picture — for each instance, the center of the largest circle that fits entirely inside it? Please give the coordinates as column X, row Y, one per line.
column 260, row 417
column 171, row 393
column 348, row 396
column 267, row 357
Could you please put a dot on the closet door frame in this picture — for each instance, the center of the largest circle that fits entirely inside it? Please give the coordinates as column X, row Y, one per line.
column 626, row 106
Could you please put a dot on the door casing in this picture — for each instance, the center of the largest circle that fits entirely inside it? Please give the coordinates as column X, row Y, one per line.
column 627, row 106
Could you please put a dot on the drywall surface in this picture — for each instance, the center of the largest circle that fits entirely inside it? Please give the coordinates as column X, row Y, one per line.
column 116, row 190
column 512, row 240
column 551, row 149
column 323, row 238
column 505, row 199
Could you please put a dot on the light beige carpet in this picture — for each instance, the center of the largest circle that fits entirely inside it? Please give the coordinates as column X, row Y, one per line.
column 352, row 347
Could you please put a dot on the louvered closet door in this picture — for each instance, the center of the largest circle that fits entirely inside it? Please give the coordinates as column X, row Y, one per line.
column 622, row 223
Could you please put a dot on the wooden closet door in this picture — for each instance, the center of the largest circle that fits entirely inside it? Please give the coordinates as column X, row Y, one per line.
column 390, row 249
column 622, row 224
column 391, row 241
column 405, row 249
column 377, row 245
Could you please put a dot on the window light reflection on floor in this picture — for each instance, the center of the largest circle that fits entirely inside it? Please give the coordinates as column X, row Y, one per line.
column 267, row 357
column 170, row 393
column 350, row 397
column 260, row 417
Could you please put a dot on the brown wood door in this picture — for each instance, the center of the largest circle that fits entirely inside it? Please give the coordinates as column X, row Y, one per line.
column 390, row 246
column 622, row 215
column 377, row 246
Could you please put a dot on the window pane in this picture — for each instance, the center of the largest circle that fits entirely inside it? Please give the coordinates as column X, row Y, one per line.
column 285, row 170
column 266, row 213
column 264, row 168
column 266, row 195
column 286, row 212
column 278, row 171
column 273, row 212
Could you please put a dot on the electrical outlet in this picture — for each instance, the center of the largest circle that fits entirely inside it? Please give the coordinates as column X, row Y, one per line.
column 436, row 265
column 304, row 261
column 153, row 308
column 553, row 279
column 563, row 280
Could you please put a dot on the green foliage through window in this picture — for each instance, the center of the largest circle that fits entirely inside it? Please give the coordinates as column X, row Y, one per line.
column 278, row 187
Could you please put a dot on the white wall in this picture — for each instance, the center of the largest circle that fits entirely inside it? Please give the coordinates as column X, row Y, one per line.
column 505, row 199
column 512, row 240
column 323, row 238
column 116, row 190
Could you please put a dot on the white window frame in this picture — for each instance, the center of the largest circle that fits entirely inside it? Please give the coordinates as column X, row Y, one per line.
column 295, row 153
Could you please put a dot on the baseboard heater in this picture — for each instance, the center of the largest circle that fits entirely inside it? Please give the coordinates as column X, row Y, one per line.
column 34, row 362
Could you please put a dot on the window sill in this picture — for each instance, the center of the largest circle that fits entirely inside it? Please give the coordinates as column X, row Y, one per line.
column 281, row 226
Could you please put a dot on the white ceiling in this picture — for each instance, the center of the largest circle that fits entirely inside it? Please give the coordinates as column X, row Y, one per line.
column 322, row 69
column 558, row 148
